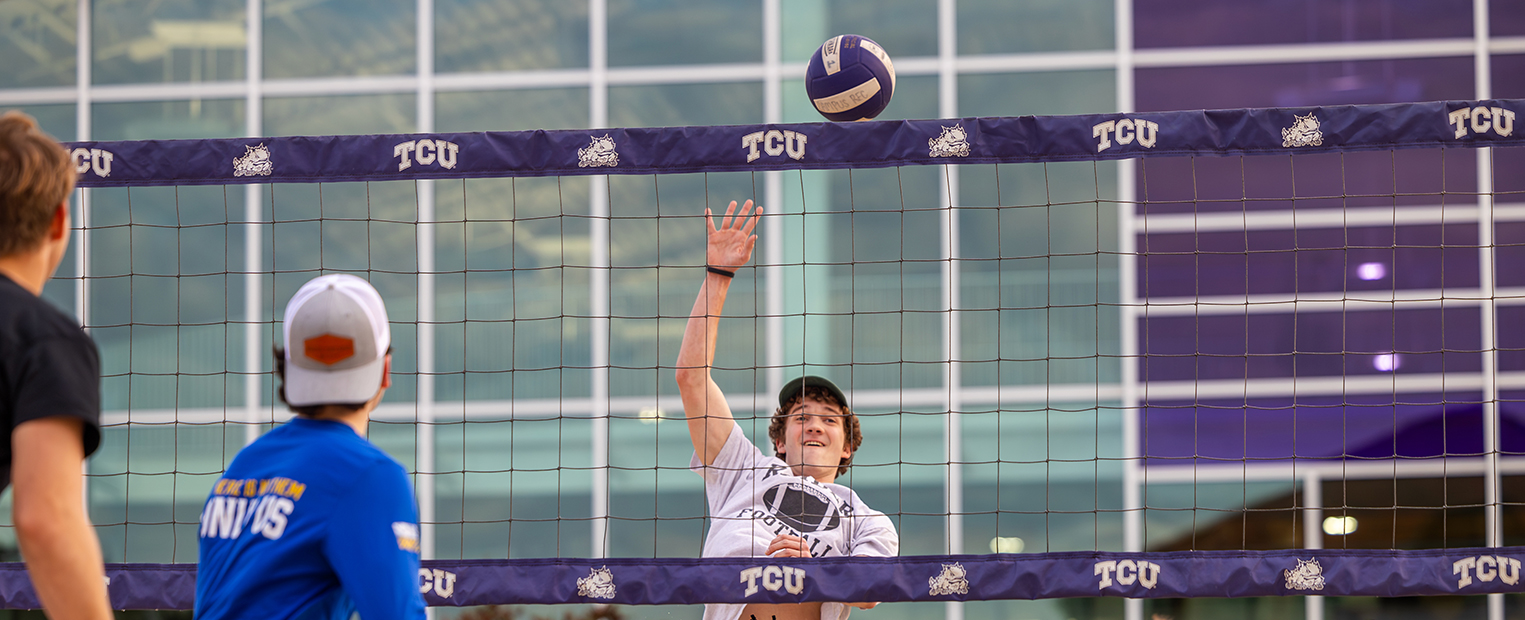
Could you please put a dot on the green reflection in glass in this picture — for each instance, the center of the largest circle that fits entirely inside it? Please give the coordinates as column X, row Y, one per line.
column 684, row 32
column 905, row 28
column 1019, row 94
column 510, row 308
column 491, row 35
column 37, row 43
column 512, row 110
column 340, row 38
column 170, row 41
column 1040, row 272
column 169, row 120
column 56, row 120
column 686, row 104
column 325, row 116
column 161, row 296
column 1002, row 27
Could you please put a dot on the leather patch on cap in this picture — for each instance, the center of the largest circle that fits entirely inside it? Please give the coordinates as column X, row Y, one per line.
column 328, row 348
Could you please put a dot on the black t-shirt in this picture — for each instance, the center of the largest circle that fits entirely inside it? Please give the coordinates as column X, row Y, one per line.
column 48, row 367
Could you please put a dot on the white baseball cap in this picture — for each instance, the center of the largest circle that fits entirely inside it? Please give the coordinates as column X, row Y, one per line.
column 336, row 342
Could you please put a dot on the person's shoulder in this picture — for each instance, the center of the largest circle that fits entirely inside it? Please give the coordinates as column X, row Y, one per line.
column 29, row 318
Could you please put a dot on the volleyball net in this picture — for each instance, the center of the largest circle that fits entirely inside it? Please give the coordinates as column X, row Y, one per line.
column 1149, row 355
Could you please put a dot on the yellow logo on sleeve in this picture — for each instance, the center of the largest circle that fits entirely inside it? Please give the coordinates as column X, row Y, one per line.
column 407, row 535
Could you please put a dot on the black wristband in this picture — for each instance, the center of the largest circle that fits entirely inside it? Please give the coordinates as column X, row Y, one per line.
column 720, row 272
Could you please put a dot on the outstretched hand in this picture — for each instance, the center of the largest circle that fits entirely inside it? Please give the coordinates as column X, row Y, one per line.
column 731, row 242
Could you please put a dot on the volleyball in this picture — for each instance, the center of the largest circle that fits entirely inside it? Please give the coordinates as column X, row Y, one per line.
column 850, row 78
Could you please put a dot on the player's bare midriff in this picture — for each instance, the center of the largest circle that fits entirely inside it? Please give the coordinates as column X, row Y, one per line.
column 792, row 611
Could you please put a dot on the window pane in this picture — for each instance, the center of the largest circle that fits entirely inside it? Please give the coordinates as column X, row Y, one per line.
column 512, row 110
column 169, row 120
column 905, row 28
column 1305, row 84
column 1505, row 18
column 484, row 35
column 1183, row 23
column 684, row 32
column 686, row 104
column 57, row 120
column 325, row 116
column 37, row 43
column 1016, row 94
column 175, row 41
column 1001, row 27
column 340, row 37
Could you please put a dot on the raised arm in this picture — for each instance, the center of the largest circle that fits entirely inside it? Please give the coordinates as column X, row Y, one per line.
column 729, row 247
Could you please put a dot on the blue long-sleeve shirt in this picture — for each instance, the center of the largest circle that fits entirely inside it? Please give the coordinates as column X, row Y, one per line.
column 310, row 522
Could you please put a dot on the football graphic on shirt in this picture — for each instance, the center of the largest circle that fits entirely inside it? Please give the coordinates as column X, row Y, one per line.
column 804, row 508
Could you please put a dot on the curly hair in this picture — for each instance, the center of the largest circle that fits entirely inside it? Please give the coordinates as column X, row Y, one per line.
column 850, row 427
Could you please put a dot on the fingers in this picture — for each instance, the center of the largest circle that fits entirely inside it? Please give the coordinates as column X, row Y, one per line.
column 864, row 605
column 729, row 220
column 788, row 546
column 752, row 221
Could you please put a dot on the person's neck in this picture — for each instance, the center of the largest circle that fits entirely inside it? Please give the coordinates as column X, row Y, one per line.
column 358, row 420
column 823, row 477
column 28, row 269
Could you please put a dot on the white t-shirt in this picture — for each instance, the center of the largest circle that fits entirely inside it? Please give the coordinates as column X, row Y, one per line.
column 754, row 498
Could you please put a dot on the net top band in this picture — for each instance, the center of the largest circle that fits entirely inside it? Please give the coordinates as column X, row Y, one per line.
column 876, row 144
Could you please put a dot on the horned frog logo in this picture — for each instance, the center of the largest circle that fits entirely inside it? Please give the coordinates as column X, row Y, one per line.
column 600, row 152
column 954, row 142
column 255, row 162
column 598, row 584
column 1308, row 575
column 1303, row 132
column 953, row 580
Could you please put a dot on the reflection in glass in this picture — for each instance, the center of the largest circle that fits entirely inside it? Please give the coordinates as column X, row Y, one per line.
column 1049, row 92
column 37, row 43
column 169, row 120
column 1001, row 27
column 173, row 41
column 340, row 38
column 511, row 110
column 491, row 35
column 328, row 116
column 56, row 120
column 686, row 104
column 684, row 32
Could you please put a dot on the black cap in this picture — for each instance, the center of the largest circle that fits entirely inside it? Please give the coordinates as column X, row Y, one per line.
column 796, row 386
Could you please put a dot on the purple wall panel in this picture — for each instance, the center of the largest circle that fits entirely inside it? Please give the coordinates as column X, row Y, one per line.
column 1506, row 18
column 1509, row 252
column 1317, row 181
column 1187, row 348
column 1373, row 426
column 1182, row 23
column 1306, row 84
column 1511, row 335
column 1327, row 260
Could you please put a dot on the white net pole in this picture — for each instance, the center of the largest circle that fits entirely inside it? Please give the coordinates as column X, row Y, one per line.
column 1133, row 517
column 253, row 127
column 1491, row 506
column 947, row 24
column 81, row 238
column 425, row 464
column 773, row 199
column 1313, row 533
column 598, row 281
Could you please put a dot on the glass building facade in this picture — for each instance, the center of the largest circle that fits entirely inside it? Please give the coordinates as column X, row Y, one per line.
column 541, row 345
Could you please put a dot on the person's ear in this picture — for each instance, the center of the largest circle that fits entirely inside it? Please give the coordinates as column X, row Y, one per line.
column 386, row 372
column 59, row 227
